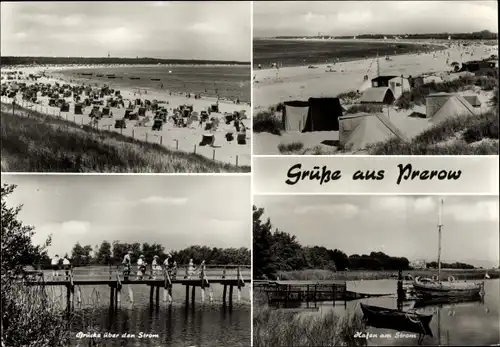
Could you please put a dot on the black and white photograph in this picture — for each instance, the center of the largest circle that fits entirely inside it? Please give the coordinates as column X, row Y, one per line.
column 107, row 260
column 375, row 78
column 376, row 270
column 149, row 86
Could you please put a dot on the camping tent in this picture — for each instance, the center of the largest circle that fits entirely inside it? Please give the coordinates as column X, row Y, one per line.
column 323, row 114
column 362, row 129
column 295, row 115
column 473, row 100
column 378, row 95
column 316, row 114
column 443, row 105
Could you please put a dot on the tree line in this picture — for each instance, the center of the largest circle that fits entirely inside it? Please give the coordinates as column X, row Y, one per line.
column 10, row 60
column 279, row 251
column 112, row 253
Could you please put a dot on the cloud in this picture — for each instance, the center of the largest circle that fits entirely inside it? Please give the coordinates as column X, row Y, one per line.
column 400, row 206
column 346, row 210
column 486, row 211
column 159, row 200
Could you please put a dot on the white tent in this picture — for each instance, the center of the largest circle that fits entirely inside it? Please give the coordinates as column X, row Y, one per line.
column 442, row 106
column 295, row 115
column 362, row 129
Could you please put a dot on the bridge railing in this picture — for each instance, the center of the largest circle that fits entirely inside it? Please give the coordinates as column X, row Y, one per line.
column 110, row 272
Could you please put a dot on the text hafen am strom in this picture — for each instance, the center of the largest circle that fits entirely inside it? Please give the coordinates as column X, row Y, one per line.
column 406, row 173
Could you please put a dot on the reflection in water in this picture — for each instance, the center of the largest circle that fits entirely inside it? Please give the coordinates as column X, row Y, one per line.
column 460, row 323
column 175, row 325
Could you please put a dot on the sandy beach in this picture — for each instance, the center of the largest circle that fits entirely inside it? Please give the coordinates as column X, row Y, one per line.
column 184, row 139
column 271, row 88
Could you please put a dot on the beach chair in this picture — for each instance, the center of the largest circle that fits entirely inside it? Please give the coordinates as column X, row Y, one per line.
column 120, row 124
column 105, row 111
column 242, row 139
column 157, row 125
column 207, row 140
column 214, row 108
column 52, row 102
column 208, row 126
column 78, row 109
column 142, row 111
column 229, row 119
column 127, row 113
column 64, row 107
column 229, row 137
column 133, row 116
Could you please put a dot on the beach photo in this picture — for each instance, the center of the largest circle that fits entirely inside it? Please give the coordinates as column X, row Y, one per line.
column 148, row 86
column 107, row 260
column 375, row 78
column 376, row 270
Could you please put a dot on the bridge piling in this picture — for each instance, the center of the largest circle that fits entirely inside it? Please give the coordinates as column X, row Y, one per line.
column 231, row 295
column 193, row 292
column 151, row 292
column 224, row 295
column 112, row 297
column 187, row 294
column 157, row 296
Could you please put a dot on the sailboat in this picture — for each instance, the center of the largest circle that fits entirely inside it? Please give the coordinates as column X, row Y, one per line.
column 430, row 288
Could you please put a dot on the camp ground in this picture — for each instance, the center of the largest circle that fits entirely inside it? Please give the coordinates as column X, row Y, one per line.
column 327, row 127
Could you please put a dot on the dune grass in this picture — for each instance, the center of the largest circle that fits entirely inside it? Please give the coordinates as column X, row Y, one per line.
column 356, row 275
column 276, row 328
column 34, row 142
column 290, row 148
column 461, row 135
column 267, row 121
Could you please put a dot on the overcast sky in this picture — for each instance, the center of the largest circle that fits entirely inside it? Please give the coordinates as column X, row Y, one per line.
column 186, row 30
column 339, row 18
column 398, row 226
column 176, row 211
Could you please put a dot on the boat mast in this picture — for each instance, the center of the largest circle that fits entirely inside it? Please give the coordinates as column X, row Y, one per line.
column 440, row 225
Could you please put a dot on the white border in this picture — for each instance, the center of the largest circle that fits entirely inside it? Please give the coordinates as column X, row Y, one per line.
column 251, row 173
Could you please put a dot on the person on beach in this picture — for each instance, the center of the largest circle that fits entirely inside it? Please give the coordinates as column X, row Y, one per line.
column 66, row 266
column 127, row 264
column 141, row 267
column 55, row 266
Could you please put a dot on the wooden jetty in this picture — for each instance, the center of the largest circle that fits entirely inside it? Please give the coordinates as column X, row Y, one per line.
column 309, row 291
column 169, row 278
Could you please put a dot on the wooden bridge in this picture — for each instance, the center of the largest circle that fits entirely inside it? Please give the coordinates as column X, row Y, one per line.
column 228, row 276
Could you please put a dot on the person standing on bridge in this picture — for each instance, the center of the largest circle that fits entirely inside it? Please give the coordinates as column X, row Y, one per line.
column 66, row 266
column 127, row 264
column 191, row 269
column 155, row 267
column 141, row 267
column 55, row 266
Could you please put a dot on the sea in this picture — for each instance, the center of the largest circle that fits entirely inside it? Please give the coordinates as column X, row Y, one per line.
column 463, row 324
column 139, row 324
column 305, row 52
column 227, row 82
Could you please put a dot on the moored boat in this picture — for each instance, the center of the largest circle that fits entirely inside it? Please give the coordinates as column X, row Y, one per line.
column 435, row 288
column 385, row 318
